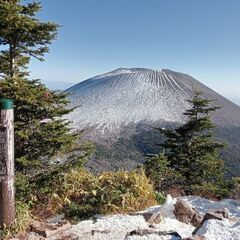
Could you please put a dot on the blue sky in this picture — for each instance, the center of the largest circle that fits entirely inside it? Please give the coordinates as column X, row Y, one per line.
column 201, row 38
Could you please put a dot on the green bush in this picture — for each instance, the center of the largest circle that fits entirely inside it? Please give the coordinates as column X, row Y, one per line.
column 80, row 194
column 160, row 198
column 235, row 188
column 211, row 191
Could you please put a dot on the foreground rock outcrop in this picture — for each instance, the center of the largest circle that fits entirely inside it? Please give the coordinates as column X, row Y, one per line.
column 175, row 220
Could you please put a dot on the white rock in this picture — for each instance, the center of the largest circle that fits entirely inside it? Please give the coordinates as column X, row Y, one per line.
column 220, row 230
column 170, row 224
column 108, row 227
column 202, row 205
column 151, row 237
column 167, row 208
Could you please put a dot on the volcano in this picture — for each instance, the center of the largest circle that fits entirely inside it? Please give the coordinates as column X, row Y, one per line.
column 122, row 106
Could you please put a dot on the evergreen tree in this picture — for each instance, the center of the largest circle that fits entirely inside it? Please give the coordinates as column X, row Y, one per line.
column 157, row 168
column 191, row 149
column 22, row 36
column 40, row 130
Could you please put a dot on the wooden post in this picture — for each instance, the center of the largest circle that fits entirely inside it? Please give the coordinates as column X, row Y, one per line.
column 7, row 193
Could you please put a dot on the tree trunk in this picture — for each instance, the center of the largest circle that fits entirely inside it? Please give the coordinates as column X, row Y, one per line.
column 12, row 61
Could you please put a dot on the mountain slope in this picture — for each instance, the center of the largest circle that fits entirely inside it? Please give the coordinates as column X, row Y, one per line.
column 120, row 108
column 128, row 96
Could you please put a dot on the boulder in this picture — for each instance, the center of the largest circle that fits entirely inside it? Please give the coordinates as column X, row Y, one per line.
column 213, row 215
column 49, row 229
column 185, row 213
column 220, row 230
column 224, row 212
column 150, row 217
column 209, row 215
column 197, row 219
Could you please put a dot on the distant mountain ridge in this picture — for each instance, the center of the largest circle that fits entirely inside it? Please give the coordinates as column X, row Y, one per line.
column 57, row 85
column 120, row 109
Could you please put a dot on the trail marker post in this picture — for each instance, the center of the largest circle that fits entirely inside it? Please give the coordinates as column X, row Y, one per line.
column 7, row 193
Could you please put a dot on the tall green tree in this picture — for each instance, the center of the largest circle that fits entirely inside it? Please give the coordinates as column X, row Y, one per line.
column 191, row 149
column 40, row 129
column 22, row 35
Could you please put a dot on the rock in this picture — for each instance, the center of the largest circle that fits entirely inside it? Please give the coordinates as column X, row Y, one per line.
column 142, row 232
column 49, row 229
column 145, row 232
column 234, row 219
column 220, row 230
column 104, row 231
column 197, row 219
column 212, row 215
column 224, row 212
column 69, row 237
column 185, row 213
column 196, row 237
column 209, row 215
column 55, row 219
column 152, row 218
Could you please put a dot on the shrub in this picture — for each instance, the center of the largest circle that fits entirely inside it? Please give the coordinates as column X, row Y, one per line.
column 81, row 194
column 160, row 198
column 235, row 191
column 123, row 192
column 211, row 191
column 107, row 193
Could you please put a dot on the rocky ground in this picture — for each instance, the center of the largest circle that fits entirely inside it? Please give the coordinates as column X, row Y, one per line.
column 189, row 218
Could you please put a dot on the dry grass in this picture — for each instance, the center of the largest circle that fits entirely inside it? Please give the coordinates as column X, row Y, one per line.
column 119, row 192
column 22, row 222
column 81, row 194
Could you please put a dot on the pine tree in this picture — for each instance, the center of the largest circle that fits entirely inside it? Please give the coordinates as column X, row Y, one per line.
column 191, row 149
column 161, row 174
column 40, row 130
column 22, row 36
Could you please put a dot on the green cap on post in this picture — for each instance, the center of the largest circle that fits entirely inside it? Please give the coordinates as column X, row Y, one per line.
column 6, row 103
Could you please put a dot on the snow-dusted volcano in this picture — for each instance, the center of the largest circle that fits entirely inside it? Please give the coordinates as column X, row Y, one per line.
column 129, row 96
column 120, row 109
